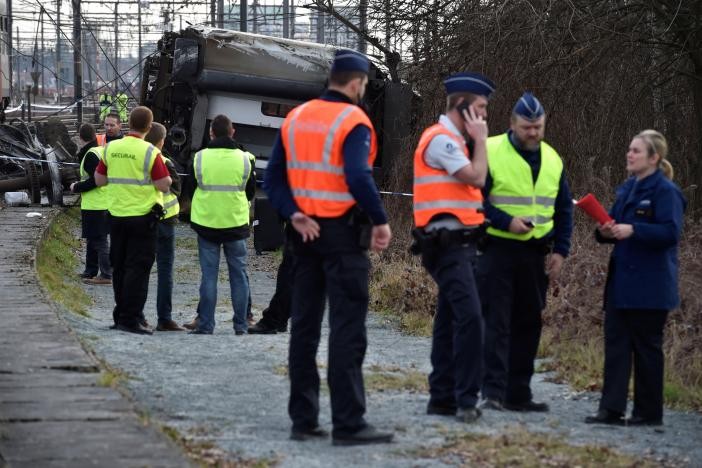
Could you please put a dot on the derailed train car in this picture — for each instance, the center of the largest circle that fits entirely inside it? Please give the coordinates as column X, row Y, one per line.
column 255, row 80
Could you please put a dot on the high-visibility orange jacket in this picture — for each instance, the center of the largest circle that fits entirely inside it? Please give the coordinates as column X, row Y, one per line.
column 313, row 136
column 101, row 139
column 438, row 192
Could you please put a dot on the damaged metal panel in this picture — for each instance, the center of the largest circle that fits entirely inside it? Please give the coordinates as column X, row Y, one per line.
column 255, row 80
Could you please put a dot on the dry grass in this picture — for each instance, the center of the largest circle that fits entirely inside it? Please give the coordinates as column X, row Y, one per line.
column 572, row 335
column 519, row 447
column 204, row 453
column 57, row 263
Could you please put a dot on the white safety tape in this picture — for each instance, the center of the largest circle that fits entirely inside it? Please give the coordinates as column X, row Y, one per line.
column 16, row 158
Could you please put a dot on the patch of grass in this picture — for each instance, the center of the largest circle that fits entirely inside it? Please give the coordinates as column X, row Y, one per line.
column 206, row 454
column 402, row 292
column 57, row 263
column 111, row 378
column 380, row 379
column 519, row 447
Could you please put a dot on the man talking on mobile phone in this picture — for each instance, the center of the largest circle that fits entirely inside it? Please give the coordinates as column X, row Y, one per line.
column 449, row 168
column 528, row 203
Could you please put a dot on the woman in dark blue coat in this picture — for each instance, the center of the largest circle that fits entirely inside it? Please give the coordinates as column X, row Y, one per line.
column 642, row 284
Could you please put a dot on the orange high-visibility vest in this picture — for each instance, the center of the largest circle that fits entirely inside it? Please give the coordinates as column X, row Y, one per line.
column 438, row 192
column 313, row 136
column 101, row 139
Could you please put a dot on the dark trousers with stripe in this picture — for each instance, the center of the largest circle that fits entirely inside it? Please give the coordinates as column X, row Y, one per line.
column 132, row 253
column 457, row 337
column 334, row 267
column 634, row 337
column 512, row 282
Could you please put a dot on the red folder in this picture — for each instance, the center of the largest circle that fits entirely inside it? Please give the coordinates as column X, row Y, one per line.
column 593, row 209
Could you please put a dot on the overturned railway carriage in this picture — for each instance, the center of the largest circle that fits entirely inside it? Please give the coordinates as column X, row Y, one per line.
column 255, row 80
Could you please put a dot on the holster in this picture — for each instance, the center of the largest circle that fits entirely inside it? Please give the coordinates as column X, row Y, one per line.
column 362, row 224
column 157, row 213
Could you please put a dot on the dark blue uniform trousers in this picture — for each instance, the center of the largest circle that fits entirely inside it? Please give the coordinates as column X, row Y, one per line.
column 132, row 253
column 333, row 266
column 512, row 282
column 457, row 338
column 638, row 334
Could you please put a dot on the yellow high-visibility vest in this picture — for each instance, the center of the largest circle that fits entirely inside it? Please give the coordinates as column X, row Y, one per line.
column 514, row 191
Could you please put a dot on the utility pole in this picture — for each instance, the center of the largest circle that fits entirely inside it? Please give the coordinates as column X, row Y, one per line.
column 213, row 13
column 286, row 14
column 320, row 27
column 220, row 14
column 292, row 19
column 19, row 57
column 243, row 10
column 140, row 54
column 254, row 14
column 363, row 24
column 9, row 36
column 41, row 17
column 58, row 49
column 116, row 47
column 77, row 62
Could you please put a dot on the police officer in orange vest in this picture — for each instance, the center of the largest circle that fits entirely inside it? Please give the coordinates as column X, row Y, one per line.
column 319, row 177
column 448, row 215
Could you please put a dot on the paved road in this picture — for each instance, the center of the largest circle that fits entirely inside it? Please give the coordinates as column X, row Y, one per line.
column 232, row 390
column 52, row 413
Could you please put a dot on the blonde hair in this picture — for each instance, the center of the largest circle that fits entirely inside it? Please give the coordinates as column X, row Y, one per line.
column 657, row 144
column 156, row 134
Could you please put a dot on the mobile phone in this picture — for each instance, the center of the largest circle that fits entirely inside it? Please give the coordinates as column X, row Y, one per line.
column 463, row 106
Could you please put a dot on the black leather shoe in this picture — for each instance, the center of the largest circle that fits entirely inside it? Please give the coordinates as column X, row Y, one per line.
column 239, row 332
column 468, row 415
column 262, row 328
column 138, row 329
column 367, row 435
column 527, row 406
column 641, row 421
column 604, row 416
column 441, row 410
column 307, row 434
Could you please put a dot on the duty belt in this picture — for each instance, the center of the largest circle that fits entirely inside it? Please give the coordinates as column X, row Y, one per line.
column 443, row 238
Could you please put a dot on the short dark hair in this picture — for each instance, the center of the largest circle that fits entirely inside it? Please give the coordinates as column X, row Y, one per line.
column 140, row 119
column 221, row 126
column 156, row 134
column 453, row 99
column 343, row 78
column 86, row 132
column 113, row 115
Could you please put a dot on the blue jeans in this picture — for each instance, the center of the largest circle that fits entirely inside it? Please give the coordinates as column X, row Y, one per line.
column 235, row 253
column 165, row 251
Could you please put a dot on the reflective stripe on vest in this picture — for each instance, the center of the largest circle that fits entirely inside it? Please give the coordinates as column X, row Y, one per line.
column 220, row 199
column 437, row 192
column 220, row 188
column 146, row 170
column 514, row 191
column 94, row 199
column 313, row 135
column 129, row 162
column 170, row 200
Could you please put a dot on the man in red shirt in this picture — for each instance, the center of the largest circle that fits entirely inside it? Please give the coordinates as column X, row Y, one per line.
column 136, row 178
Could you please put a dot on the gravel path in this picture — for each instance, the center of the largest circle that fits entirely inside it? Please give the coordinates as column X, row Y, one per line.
column 232, row 390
